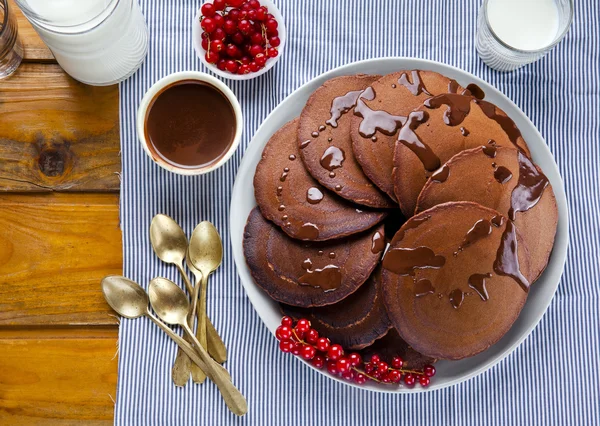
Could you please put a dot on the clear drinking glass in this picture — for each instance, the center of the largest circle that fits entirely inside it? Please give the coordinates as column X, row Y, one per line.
column 97, row 42
column 500, row 54
column 11, row 50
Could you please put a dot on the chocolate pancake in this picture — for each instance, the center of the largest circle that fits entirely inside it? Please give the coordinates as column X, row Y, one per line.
column 355, row 322
column 308, row 274
column 381, row 110
column 325, row 144
column 506, row 180
column 392, row 345
column 444, row 126
column 454, row 279
column 288, row 196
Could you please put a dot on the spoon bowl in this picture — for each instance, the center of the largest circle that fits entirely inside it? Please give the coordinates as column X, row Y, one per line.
column 206, row 248
column 125, row 296
column 168, row 301
column 168, row 239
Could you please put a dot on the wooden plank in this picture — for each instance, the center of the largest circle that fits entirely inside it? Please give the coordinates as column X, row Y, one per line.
column 34, row 48
column 57, row 134
column 58, row 376
column 54, row 250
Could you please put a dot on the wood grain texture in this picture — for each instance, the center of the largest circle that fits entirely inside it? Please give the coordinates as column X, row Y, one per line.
column 54, row 250
column 34, row 49
column 57, row 134
column 57, row 377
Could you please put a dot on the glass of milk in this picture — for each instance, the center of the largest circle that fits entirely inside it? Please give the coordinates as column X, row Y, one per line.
column 514, row 33
column 97, row 42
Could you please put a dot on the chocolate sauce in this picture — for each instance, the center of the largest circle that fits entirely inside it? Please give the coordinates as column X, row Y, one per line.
column 477, row 283
column 314, row 195
column 308, row 231
column 321, row 128
column 331, row 174
column 459, row 107
column 315, row 134
column 504, row 121
column 476, row 91
column 332, row 255
column 416, row 87
column 507, row 259
column 338, row 187
column 327, row 278
column 283, row 176
column 497, row 221
column 332, row 158
column 423, row 287
column 320, row 252
column 279, row 190
column 341, row 105
column 502, row 174
column 453, row 86
column 307, row 264
column 464, row 131
column 411, row 140
column 529, row 189
column 490, row 149
column 281, row 207
column 373, row 121
column 292, row 157
column 190, row 124
column 329, row 139
column 480, row 230
column 441, row 174
column 456, row 298
column 378, row 243
column 413, row 223
column 404, row 261
column 304, row 144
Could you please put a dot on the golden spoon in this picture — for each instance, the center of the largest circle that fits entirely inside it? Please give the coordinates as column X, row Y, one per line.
column 171, row 305
column 216, row 347
column 206, row 253
column 170, row 245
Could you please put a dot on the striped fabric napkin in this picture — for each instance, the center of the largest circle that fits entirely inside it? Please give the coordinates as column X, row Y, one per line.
column 551, row 379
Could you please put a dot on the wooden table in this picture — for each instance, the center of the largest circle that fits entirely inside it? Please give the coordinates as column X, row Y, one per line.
column 59, row 235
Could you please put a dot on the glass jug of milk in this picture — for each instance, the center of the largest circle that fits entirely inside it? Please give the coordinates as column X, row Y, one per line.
column 513, row 33
column 97, row 42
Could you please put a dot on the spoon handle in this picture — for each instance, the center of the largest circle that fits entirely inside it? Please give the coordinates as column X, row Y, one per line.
column 232, row 396
column 216, row 347
column 201, row 331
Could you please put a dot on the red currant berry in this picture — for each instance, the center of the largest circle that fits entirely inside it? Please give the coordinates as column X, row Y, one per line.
column 274, row 41
column 229, row 26
column 286, row 346
column 245, row 69
column 355, row 359
column 332, row 367
column 244, row 26
column 360, row 379
column 205, row 35
column 232, row 67
column 375, row 359
column 237, row 37
column 246, row 61
column 234, row 3
column 312, row 336
column 211, row 57
column 271, row 24
column 254, row 4
column 283, row 332
column 208, row 9
column 382, row 367
column 370, row 368
column 335, row 351
column 245, row 6
column 256, row 49
column 270, row 16
column 243, row 14
column 261, row 59
column 208, row 24
column 261, row 13
column 272, row 52
column 397, row 362
column 409, row 379
column 323, row 343
column 343, row 365
column 348, row 375
column 222, row 64
column 233, row 51
column 318, row 361
column 308, row 352
column 219, row 34
column 302, row 326
column 216, row 46
column 219, row 4
column 424, row 381
column 234, row 14
column 252, row 14
column 256, row 38
column 395, row 376
column 218, row 20
column 297, row 347
column 205, row 43
column 385, row 378
column 287, row 321
column 429, row 370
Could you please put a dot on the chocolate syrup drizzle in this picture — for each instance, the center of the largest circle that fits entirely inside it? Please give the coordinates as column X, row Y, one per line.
column 502, row 174
column 481, row 229
column 341, row 105
column 441, row 174
column 456, row 298
column 475, row 91
column 378, row 243
column 507, row 260
column 423, row 287
column 332, row 158
column 477, row 283
column 507, row 125
column 411, row 140
column 416, row 87
column 404, row 261
column 373, row 121
column 413, row 223
column 459, row 107
column 308, row 231
column 529, row 189
column 327, row 278
column 314, row 195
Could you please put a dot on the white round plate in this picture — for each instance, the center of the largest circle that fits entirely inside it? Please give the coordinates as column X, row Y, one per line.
column 448, row 372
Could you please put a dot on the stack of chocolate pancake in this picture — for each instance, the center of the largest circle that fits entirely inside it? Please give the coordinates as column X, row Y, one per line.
column 454, row 270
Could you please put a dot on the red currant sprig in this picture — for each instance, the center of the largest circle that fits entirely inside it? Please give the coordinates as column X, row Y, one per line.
column 239, row 36
column 302, row 340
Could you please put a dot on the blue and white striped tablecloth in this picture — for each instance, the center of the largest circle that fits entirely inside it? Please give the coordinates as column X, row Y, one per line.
column 551, row 379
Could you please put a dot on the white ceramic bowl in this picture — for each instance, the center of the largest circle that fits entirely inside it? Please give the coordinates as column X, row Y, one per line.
column 540, row 295
column 174, row 78
column 197, row 40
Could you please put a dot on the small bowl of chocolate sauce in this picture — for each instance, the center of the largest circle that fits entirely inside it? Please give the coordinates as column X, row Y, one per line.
column 189, row 123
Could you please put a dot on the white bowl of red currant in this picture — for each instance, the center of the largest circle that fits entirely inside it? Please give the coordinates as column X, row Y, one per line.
column 239, row 39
